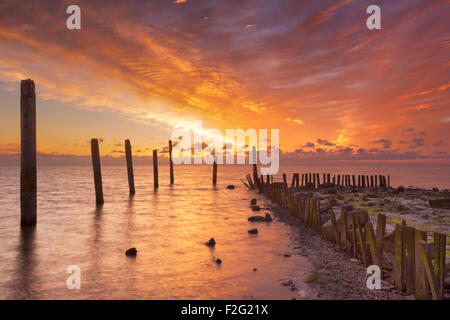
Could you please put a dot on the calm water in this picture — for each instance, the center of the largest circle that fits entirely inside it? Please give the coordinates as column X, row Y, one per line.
column 168, row 227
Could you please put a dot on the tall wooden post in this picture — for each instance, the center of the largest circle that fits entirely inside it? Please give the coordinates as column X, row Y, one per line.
column 97, row 172
column 28, row 172
column 439, row 251
column 129, row 158
column 214, row 177
column 155, row 169
column 171, row 162
column 422, row 286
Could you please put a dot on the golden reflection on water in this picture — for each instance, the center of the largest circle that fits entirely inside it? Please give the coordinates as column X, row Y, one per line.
column 168, row 227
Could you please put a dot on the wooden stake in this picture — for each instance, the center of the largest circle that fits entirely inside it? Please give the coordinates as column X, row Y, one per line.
column 344, row 229
column 171, row 162
column 97, row 171
column 362, row 242
column 422, row 286
column 379, row 237
column 410, row 268
column 429, row 270
column 129, row 159
column 155, row 169
column 439, row 262
column 399, row 266
column 28, row 171
column 355, row 250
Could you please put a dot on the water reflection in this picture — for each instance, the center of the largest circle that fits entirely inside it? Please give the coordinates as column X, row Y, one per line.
column 26, row 280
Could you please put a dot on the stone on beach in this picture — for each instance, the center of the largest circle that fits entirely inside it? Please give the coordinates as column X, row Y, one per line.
column 255, row 207
column 267, row 218
column 211, row 242
column 253, row 201
column 231, row 187
column 253, row 231
column 286, row 283
column 217, row 260
column 131, row 252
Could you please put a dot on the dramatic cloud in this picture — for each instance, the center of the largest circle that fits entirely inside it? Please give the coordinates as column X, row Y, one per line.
column 309, row 68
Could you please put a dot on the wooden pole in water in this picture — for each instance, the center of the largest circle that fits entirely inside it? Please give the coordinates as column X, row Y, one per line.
column 214, row 179
column 318, row 179
column 354, row 180
column 371, row 181
column 129, row 158
column 389, row 181
column 339, row 180
column 171, row 163
column 285, row 178
column 28, row 171
column 155, row 169
column 97, row 171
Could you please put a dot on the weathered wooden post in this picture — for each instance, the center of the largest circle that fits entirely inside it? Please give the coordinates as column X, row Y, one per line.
column 28, row 172
column 214, row 178
column 155, row 169
column 422, row 286
column 318, row 179
column 171, row 162
column 440, row 241
column 339, row 180
column 371, row 181
column 97, row 171
column 410, row 268
column 129, row 158
column 285, row 178
column 399, row 266
column 389, row 181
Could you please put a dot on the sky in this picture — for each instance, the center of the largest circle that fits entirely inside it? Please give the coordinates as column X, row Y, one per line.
column 312, row 69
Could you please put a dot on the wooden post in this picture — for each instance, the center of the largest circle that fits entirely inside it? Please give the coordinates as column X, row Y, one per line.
column 422, row 286
column 155, row 169
column 429, row 270
column 97, row 171
column 379, row 237
column 372, row 245
column 362, row 242
column 339, row 180
column 28, row 172
column 376, row 181
column 171, row 162
column 344, row 229
column 389, row 181
column 284, row 178
column 129, row 158
column 355, row 249
column 399, row 266
column 410, row 268
column 335, row 226
column 371, row 181
column 214, row 179
column 439, row 262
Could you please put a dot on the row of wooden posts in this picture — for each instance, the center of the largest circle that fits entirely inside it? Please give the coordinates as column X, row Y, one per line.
column 345, row 180
column 419, row 267
column 28, row 170
column 129, row 160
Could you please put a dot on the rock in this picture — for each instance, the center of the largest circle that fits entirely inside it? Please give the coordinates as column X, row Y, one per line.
column 131, row 252
column 255, row 207
column 268, row 217
column 254, row 269
column 286, row 283
column 347, row 207
column 231, row 187
column 331, row 191
column 440, row 203
column 401, row 189
column 436, row 189
column 402, row 208
column 395, row 191
column 257, row 219
column 253, row 231
column 287, row 254
column 253, row 201
column 217, row 260
column 211, row 242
